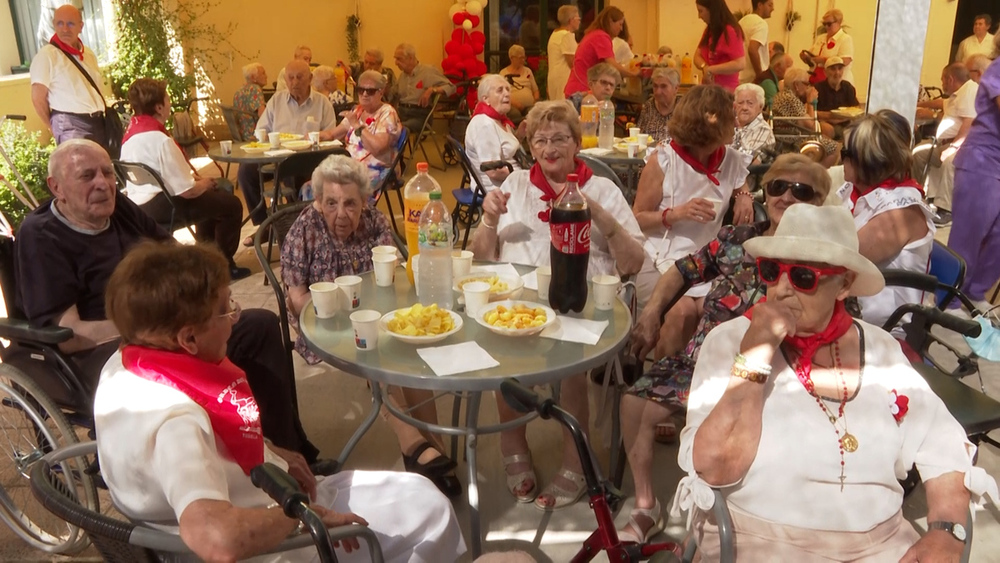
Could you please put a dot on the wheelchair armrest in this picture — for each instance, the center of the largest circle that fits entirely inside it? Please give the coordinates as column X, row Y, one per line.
column 914, row 280
column 926, row 317
column 20, row 331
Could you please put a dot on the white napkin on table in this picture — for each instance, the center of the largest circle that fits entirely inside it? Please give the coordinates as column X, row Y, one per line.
column 279, row 152
column 499, row 269
column 596, row 151
column 333, row 143
column 457, row 358
column 530, row 280
column 572, row 329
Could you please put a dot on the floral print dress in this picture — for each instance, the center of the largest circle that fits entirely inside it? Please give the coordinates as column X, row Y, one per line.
column 384, row 120
column 310, row 254
column 248, row 99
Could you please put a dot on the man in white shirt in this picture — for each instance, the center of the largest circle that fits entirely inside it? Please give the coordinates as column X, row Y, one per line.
column 959, row 111
column 61, row 94
column 755, row 35
column 981, row 40
column 302, row 53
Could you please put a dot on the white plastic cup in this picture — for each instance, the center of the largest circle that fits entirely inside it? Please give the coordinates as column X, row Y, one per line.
column 385, row 269
column 605, row 291
column 544, row 276
column 384, row 249
column 477, row 296
column 634, row 132
column 461, row 262
column 226, row 147
column 643, row 141
column 716, row 204
column 261, row 135
column 632, row 149
column 274, row 139
column 365, row 323
column 314, row 137
column 325, row 299
column 351, row 288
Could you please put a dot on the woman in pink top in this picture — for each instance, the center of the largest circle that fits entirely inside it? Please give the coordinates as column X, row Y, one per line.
column 595, row 48
column 720, row 54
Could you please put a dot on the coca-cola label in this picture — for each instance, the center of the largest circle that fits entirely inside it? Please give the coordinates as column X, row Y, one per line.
column 571, row 238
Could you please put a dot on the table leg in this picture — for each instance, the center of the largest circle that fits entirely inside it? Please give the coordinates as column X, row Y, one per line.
column 471, row 439
column 365, row 425
column 260, row 177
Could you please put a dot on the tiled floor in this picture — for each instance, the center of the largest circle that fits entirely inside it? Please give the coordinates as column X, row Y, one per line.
column 333, row 403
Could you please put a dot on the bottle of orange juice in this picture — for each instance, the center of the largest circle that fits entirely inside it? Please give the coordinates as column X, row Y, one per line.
column 687, row 64
column 590, row 118
column 416, row 195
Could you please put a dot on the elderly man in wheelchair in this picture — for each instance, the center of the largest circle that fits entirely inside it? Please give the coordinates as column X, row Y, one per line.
column 64, row 254
column 178, row 431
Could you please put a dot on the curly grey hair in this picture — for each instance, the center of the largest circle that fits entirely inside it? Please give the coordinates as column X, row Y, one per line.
column 321, row 74
column 758, row 92
column 667, row 72
column 250, row 71
column 343, row 170
column 375, row 76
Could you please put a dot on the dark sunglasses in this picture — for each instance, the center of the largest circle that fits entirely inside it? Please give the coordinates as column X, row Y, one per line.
column 803, row 278
column 800, row 191
column 845, row 153
column 368, row 91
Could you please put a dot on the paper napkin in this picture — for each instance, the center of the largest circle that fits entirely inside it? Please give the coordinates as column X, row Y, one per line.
column 499, row 269
column 597, row 151
column 530, row 280
column 279, row 152
column 571, row 329
column 458, row 358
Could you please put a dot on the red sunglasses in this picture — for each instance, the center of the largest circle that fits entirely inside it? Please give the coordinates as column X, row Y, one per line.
column 803, row 278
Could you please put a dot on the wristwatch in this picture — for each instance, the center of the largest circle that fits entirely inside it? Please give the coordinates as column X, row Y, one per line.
column 954, row 528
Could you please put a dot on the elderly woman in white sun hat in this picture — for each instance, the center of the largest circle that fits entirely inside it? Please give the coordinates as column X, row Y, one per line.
column 807, row 452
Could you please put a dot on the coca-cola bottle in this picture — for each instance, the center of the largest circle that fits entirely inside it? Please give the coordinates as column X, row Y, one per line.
column 569, row 227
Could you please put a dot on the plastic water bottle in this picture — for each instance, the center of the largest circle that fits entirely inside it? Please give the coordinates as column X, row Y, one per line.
column 606, row 131
column 589, row 119
column 416, row 194
column 435, row 253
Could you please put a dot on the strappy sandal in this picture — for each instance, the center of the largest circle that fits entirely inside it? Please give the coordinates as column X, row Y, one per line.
column 516, row 481
column 628, row 533
column 665, row 432
column 563, row 497
column 437, row 470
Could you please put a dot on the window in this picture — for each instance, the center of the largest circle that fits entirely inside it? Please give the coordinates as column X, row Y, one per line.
column 527, row 23
column 33, row 25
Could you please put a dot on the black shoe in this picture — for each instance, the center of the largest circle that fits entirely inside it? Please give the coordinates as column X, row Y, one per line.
column 942, row 217
column 324, row 467
column 436, row 470
column 237, row 273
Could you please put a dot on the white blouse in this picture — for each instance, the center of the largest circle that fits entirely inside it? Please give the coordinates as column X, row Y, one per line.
column 525, row 239
column 795, row 476
column 486, row 140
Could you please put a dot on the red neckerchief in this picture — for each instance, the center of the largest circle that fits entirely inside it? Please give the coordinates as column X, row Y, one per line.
column 806, row 346
column 221, row 389
column 539, row 180
column 482, row 108
column 714, row 160
column 145, row 124
column 65, row 47
column 889, row 184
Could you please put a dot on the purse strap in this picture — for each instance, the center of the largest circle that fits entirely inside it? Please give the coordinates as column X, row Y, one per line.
column 86, row 74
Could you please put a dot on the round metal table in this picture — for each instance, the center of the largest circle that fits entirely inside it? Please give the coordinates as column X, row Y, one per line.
column 533, row 360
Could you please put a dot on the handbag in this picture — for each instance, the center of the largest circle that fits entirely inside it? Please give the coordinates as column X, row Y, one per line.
column 114, row 130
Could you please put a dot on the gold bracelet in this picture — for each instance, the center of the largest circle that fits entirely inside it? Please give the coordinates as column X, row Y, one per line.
column 749, row 374
column 759, row 367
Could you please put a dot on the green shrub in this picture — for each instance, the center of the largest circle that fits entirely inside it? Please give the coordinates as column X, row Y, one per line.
column 31, row 159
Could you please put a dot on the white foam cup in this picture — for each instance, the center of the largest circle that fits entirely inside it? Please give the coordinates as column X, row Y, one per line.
column 634, row 132
column 385, row 269
column 643, row 141
column 461, row 262
column 325, row 299
column 716, row 204
column 226, row 146
column 544, row 275
column 365, row 323
column 275, row 140
column 314, row 137
column 605, row 291
column 261, row 135
column 632, row 149
column 477, row 296
column 351, row 288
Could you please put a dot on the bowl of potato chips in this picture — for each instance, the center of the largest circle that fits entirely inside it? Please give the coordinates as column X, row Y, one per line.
column 421, row 324
column 516, row 318
column 501, row 287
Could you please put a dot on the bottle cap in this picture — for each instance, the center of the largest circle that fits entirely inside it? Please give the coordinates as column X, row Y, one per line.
column 572, row 178
column 435, row 194
column 421, row 167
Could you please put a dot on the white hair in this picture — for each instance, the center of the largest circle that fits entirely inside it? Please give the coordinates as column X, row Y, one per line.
column 486, row 84
column 408, row 50
column 751, row 87
column 251, row 70
column 667, row 72
column 343, row 170
column 321, row 74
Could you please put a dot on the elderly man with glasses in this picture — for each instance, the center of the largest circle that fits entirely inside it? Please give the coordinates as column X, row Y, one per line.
column 834, row 43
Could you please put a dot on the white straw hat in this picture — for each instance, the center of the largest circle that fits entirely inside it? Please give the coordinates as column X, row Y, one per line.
column 808, row 233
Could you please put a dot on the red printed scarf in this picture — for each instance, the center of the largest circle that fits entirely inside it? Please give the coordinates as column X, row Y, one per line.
column 539, row 180
column 806, row 346
column 714, row 160
column 78, row 53
column 482, row 108
column 221, row 389
column 889, row 184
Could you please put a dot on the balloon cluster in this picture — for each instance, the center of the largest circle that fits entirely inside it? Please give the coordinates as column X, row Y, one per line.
column 465, row 44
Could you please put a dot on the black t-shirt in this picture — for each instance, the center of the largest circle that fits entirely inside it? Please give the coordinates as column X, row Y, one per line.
column 57, row 267
column 830, row 99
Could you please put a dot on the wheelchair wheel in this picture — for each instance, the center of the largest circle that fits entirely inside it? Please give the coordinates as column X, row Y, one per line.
column 31, row 425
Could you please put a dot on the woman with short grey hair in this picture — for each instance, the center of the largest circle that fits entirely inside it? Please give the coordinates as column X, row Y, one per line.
column 752, row 131
column 249, row 99
column 490, row 135
column 324, row 81
column 656, row 112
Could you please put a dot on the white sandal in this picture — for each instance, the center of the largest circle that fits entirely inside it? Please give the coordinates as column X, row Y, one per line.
column 563, row 497
column 515, row 481
column 627, row 534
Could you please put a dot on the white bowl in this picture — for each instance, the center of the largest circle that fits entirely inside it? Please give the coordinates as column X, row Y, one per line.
column 296, row 145
column 254, row 147
column 515, row 285
column 550, row 317
column 384, row 325
column 285, row 137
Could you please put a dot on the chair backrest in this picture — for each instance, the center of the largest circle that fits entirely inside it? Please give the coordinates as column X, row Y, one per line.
column 391, row 180
column 470, row 172
column 138, row 174
column 949, row 269
column 232, row 117
column 302, row 164
column 601, row 169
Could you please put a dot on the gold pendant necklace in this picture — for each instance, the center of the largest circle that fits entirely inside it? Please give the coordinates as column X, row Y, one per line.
column 846, row 441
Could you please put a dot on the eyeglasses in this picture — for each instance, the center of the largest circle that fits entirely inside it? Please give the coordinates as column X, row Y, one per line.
column 846, row 153
column 803, row 278
column 234, row 311
column 800, row 191
column 368, row 91
column 607, row 83
column 558, row 141
column 828, row 24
